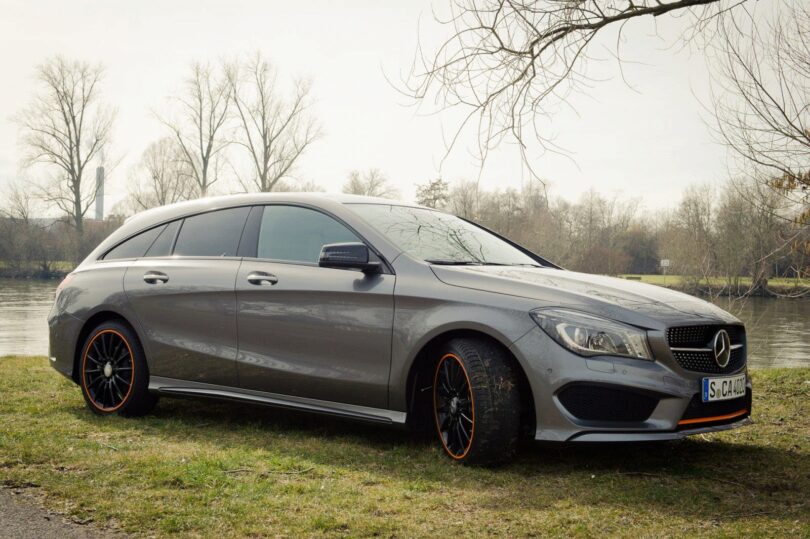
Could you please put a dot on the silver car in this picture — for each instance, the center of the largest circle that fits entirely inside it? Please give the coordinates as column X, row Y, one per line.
column 391, row 313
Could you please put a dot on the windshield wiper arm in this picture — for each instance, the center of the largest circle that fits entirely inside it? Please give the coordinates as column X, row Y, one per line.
column 440, row 262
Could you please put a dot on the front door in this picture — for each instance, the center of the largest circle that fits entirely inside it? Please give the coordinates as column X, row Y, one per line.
column 308, row 331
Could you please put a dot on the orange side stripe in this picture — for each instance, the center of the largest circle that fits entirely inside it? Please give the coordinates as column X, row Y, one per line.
column 713, row 418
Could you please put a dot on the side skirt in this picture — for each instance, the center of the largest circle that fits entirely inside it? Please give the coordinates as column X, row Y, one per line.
column 170, row 386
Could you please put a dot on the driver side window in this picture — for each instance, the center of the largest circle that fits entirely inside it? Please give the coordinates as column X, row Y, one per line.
column 295, row 234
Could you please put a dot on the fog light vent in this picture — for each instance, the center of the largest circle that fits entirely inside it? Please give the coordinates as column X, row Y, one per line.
column 591, row 402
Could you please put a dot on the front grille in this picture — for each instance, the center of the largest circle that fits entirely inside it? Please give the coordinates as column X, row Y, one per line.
column 698, row 336
column 697, row 409
column 701, row 358
column 591, row 402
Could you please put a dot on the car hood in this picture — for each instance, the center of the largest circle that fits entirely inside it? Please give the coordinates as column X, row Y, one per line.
column 629, row 301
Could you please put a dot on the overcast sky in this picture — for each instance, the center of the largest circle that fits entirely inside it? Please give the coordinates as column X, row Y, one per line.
column 648, row 142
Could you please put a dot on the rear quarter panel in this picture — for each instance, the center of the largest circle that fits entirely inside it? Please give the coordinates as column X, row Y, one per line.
column 92, row 289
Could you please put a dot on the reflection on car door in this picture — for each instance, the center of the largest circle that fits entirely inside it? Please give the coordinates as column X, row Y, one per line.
column 308, row 331
column 186, row 304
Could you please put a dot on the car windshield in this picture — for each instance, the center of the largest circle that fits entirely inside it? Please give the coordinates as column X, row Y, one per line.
column 440, row 238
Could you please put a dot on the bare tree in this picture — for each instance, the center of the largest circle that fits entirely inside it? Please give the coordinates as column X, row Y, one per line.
column 762, row 108
column 299, row 186
column 274, row 131
column 65, row 129
column 371, row 183
column 161, row 177
column 22, row 239
column 463, row 199
column 508, row 63
column 19, row 202
column 199, row 126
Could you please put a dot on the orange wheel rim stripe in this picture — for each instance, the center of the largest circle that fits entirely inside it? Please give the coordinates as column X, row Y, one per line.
column 84, row 367
column 472, row 405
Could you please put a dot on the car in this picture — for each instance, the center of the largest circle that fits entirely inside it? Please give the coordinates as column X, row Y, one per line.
column 392, row 313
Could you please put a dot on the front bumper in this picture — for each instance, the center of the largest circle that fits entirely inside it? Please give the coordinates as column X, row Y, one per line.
column 616, row 399
column 655, row 436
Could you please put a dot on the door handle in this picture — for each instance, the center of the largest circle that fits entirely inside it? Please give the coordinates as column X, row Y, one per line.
column 261, row 278
column 155, row 277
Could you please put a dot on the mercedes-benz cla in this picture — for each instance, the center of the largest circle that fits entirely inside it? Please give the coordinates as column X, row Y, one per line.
column 391, row 313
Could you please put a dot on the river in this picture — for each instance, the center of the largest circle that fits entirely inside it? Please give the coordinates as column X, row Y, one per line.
column 778, row 329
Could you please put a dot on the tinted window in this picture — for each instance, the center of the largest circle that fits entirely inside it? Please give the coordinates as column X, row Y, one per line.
column 297, row 234
column 162, row 246
column 211, row 234
column 136, row 246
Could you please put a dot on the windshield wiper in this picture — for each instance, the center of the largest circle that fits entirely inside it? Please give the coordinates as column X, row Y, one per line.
column 440, row 262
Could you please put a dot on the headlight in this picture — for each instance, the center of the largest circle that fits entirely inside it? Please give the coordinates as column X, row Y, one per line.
column 589, row 335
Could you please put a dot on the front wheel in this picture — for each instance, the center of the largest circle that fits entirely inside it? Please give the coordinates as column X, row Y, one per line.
column 113, row 373
column 476, row 402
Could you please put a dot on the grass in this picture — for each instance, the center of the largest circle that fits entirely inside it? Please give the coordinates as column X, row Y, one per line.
column 209, row 469
column 675, row 280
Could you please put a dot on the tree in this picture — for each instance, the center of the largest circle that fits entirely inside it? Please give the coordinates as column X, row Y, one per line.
column 508, row 64
column 763, row 109
column 432, row 194
column 199, row 125
column 161, row 177
column 66, row 128
column 275, row 132
column 463, row 199
column 372, row 183
column 23, row 240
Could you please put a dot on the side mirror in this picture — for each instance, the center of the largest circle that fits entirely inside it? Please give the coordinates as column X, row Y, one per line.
column 347, row 256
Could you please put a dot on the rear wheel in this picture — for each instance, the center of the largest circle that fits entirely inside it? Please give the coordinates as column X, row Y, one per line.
column 114, row 376
column 476, row 402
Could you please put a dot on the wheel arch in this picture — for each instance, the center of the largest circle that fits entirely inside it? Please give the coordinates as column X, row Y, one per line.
column 89, row 325
column 422, row 366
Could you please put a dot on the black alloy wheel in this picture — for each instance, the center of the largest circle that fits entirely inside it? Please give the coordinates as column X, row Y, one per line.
column 113, row 373
column 453, row 406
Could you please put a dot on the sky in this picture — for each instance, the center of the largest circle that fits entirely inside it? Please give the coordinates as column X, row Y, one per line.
column 648, row 140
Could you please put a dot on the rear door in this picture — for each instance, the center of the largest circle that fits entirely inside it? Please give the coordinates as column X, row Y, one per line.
column 308, row 331
column 183, row 294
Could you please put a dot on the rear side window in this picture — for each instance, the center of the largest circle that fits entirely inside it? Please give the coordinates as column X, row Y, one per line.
column 295, row 234
column 136, row 246
column 162, row 246
column 214, row 233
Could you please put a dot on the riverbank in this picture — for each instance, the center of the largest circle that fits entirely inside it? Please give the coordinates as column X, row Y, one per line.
column 56, row 270
column 777, row 287
column 211, row 469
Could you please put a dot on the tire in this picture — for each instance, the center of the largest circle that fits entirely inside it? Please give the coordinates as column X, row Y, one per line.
column 113, row 373
column 476, row 402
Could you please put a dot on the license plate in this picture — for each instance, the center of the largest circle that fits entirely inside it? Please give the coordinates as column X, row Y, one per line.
column 722, row 389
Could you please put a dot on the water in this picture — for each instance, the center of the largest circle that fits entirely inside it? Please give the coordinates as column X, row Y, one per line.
column 24, row 307
column 778, row 329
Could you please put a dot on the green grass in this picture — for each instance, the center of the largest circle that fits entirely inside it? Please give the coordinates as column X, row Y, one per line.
column 209, row 469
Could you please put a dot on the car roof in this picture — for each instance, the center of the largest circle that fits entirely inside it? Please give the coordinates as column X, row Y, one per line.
column 179, row 209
